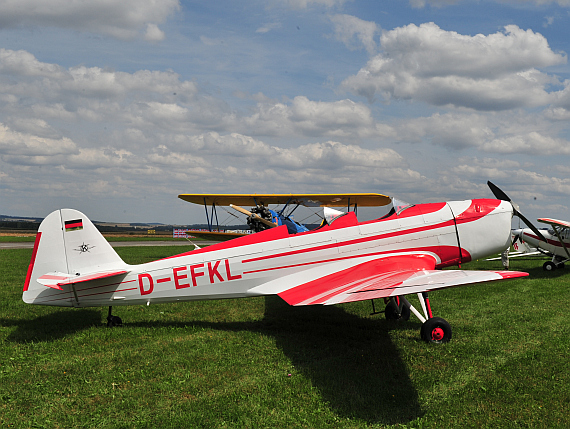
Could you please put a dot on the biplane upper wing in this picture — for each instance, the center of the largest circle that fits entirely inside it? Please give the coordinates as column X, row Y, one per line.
column 307, row 200
column 377, row 278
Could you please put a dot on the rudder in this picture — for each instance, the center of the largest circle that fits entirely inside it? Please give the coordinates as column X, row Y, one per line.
column 67, row 242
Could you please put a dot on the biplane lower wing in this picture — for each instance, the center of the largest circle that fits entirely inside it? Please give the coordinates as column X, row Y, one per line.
column 378, row 278
column 216, row 236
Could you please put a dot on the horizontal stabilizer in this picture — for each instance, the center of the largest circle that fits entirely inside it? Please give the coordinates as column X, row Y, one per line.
column 55, row 280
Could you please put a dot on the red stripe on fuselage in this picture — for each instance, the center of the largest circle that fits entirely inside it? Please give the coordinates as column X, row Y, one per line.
column 448, row 252
column 355, row 241
column 555, row 243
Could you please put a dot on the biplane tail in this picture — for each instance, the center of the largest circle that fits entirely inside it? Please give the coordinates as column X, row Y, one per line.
column 68, row 249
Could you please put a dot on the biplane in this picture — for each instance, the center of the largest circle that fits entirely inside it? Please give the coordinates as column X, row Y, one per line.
column 342, row 261
column 261, row 217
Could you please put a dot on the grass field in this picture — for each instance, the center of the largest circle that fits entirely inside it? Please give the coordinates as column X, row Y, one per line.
column 259, row 363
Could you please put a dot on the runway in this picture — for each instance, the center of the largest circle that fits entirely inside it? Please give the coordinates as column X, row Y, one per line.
column 30, row 244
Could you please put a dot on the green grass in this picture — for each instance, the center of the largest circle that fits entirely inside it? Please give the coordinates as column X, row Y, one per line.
column 11, row 239
column 260, row 363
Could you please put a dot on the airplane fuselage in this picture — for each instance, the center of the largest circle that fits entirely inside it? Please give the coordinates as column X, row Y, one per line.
column 443, row 234
column 552, row 245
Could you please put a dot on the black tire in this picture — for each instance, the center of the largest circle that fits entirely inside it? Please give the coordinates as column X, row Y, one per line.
column 114, row 321
column 549, row 266
column 436, row 330
column 392, row 312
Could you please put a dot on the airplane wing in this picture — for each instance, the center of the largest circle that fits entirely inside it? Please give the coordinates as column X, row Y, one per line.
column 555, row 222
column 516, row 255
column 378, row 278
column 307, row 200
column 559, row 225
column 216, row 236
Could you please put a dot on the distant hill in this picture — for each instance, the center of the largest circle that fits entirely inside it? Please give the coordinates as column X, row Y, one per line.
column 33, row 223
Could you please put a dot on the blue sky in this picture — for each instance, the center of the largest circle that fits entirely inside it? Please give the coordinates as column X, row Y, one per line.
column 114, row 108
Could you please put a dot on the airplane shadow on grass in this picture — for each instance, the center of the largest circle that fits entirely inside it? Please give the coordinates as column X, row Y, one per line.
column 350, row 360
column 52, row 326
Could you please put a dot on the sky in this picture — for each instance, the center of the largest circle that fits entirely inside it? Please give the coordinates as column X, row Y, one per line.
column 115, row 108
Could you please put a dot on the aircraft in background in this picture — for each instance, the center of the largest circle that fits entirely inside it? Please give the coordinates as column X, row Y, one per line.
column 521, row 248
column 553, row 243
column 342, row 261
column 261, row 217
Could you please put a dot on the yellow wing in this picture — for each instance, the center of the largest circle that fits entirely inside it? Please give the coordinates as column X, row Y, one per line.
column 307, row 200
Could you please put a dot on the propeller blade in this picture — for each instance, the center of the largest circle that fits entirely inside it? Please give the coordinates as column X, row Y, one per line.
column 500, row 195
column 254, row 215
column 530, row 225
column 497, row 192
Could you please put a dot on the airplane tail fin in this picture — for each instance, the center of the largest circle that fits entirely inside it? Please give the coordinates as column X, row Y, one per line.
column 518, row 243
column 68, row 247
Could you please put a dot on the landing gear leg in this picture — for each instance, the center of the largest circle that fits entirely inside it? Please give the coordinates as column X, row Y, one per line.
column 396, row 310
column 113, row 320
column 434, row 329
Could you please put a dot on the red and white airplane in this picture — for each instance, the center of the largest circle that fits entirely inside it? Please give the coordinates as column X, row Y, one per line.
column 553, row 242
column 343, row 261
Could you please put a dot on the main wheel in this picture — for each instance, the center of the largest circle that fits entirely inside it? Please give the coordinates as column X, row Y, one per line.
column 549, row 266
column 436, row 330
column 392, row 312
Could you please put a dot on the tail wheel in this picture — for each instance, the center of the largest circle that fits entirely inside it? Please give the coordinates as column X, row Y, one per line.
column 114, row 321
column 393, row 312
column 436, row 330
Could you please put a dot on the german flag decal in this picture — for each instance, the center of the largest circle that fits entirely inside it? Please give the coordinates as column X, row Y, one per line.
column 73, row 225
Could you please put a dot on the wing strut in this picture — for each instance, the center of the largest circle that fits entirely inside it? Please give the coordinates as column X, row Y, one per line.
column 557, row 231
column 210, row 219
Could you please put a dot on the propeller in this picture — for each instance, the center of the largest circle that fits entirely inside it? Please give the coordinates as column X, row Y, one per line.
column 254, row 216
column 499, row 194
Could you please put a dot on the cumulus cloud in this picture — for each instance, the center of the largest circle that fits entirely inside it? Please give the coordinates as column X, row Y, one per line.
column 24, row 144
column 441, row 3
column 355, row 33
column 533, row 143
column 161, row 128
column 304, row 4
column 123, row 19
column 268, row 27
column 426, row 63
column 153, row 33
column 343, row 118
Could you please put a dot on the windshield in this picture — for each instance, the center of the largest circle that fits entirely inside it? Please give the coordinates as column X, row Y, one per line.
column 399, row 206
